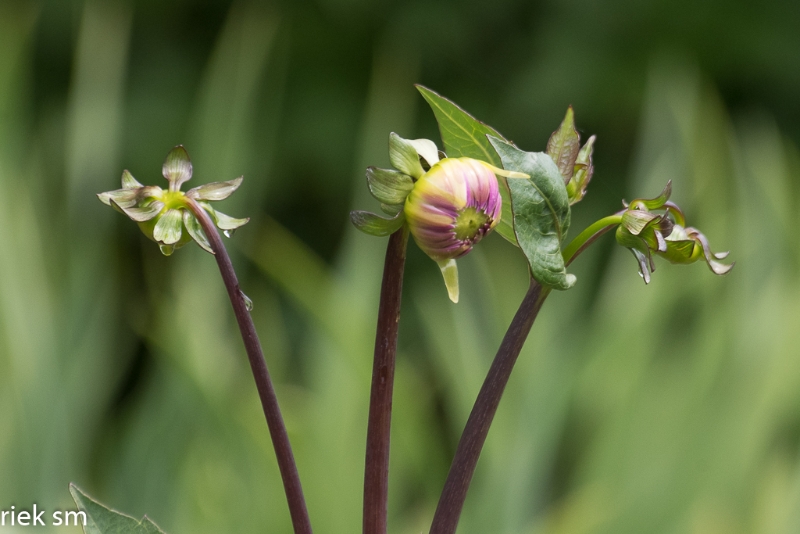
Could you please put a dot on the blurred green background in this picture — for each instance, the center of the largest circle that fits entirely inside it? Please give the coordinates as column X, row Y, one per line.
column 668, row 408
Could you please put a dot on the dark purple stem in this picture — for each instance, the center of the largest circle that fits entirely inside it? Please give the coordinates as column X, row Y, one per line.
column 451, row 502
column 269, row 401
column 376, row 469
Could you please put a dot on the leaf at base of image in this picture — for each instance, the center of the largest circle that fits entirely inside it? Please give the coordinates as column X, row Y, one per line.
column 102, row 520
column 541, row 213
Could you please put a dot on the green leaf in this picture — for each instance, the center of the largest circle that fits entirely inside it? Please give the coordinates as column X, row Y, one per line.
column 541, row 213
column 465, row 136
column 389, row 187
column 564, row 145
column 584, row 169
column 102, row 520
column 372, row 224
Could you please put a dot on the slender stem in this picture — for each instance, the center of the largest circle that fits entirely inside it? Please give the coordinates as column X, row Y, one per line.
column 269, row 401
column 588, row 236
column 451, row 502
column 376, row 469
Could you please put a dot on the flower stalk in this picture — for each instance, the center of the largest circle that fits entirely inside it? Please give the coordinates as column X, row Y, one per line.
column 266, row 391
column 451, row 502
column 376, row 469
column 589, row 235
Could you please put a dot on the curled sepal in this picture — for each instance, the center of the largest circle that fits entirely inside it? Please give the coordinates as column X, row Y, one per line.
column 564, row 145
column 177, row 167
column 389, row 187
column 653, row 203
column 584, row 169
column 141, row 214
column 215, row 190
column 450, row 274
column 372, row 224
column 687, row 245
column 405, row 153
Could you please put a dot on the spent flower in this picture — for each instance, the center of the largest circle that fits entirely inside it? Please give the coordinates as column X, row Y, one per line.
column 164, row 216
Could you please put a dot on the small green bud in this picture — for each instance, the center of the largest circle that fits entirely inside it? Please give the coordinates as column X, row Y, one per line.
column 163, row 216
column 646, row 233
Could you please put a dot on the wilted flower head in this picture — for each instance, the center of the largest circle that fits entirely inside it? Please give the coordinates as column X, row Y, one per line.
column 646, row 232
column 163, row 216
column 447, row 204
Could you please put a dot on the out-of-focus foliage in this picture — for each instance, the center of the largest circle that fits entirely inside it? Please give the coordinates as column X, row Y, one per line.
column 673, row 407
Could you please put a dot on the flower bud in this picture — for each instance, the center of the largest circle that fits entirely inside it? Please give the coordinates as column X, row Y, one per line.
column 164, row 216
column 452, row 207
column 646, row 233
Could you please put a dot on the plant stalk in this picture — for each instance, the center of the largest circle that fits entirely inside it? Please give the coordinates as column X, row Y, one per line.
column 266, row 391
column 589, row 235
column 451, row 502
column 376, row 469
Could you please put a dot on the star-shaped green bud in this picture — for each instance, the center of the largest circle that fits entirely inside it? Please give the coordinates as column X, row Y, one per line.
column 645, row 233
column 163, row 216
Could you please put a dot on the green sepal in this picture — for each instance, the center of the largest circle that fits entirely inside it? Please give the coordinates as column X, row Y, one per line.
column 226, row 223
column 103, row 520
column 653, row 203
column 128, row 181
column 215, row 190
column 564, row 145
column 449, row 270
column 541, row 213
column 177, row 167
column 582, row 175
column 168, row 228
column 372, row 224
column 388, row 186
column 404, row 156
column 196, row 231
column 465, row 136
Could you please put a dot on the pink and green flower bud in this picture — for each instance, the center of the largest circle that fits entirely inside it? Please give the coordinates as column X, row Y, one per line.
column 163, row 216
column 452, row 207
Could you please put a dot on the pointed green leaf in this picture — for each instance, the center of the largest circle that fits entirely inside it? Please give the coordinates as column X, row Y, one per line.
column 541, row 213
column 215, row 190
column 564, row 145
column 465, row 136
column 372, row 224
column 389, row 187
column 102, row 520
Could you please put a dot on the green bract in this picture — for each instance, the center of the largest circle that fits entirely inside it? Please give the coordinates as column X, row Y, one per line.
column 645, row 232
column 163, row 216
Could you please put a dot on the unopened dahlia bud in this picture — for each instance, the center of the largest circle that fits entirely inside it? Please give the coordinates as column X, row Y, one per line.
column 448, row 204
column 452, row 207
column 646, row 233
column 163, row 216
